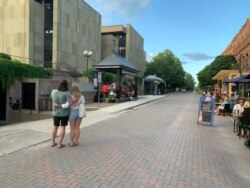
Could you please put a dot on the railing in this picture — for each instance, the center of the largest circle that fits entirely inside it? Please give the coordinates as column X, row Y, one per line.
column 50, row 64
column 15, row 103
column 45, row 105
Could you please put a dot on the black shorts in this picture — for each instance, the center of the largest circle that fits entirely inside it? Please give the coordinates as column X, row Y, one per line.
column 60, row 121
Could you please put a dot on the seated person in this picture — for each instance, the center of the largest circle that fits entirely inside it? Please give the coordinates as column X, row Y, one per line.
column 239, row 108
column 105, row 90
column 237, row 111
column 221, row 107
column 231, row 102
column 246, row 105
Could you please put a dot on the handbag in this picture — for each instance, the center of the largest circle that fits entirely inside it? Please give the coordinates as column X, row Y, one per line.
column 200, row 117
column 82, row 111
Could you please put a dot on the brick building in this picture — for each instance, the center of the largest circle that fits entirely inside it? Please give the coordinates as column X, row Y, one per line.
column 240, row 48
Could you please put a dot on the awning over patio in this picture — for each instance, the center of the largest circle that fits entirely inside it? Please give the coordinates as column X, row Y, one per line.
column 116, row 62
column 240, row 79
column 153, row 78
column 225, row 74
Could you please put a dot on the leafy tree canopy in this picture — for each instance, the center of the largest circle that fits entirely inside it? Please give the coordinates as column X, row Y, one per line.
column 108, row 77
column 190, row 82
column 5, row 56
column 168, row 67
column 205, row 76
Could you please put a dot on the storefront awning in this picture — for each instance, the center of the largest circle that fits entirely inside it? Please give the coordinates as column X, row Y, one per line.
column 240, row 79
column 115, row 62
column 153, row 78
column 225, row 74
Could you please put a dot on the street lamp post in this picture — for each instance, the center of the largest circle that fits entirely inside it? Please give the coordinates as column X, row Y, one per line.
column 87, row 54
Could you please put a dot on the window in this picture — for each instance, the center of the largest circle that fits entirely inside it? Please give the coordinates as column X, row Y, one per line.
column 48, row 30
column 39, row 1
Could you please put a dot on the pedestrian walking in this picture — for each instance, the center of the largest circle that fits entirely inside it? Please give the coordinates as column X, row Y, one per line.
column 60, row 115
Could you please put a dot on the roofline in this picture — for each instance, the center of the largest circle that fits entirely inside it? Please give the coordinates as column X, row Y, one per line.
column 113, row 29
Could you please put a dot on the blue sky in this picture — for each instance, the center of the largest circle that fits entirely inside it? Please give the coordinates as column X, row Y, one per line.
column 196, row 31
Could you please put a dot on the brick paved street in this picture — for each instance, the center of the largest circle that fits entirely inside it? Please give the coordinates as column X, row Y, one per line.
column 155, row 145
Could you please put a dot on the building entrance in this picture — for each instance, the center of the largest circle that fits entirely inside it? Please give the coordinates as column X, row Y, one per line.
column 2, row 103
column 28, row 96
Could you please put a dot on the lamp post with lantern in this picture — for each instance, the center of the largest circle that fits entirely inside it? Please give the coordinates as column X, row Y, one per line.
column 87, row 54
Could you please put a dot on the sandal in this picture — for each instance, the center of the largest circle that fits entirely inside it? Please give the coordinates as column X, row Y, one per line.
column 76, row 144
column 71, row 145
column 53, row 145
column 61, row 146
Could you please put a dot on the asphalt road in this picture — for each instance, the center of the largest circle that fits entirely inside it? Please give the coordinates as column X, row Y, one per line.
column 155, row 145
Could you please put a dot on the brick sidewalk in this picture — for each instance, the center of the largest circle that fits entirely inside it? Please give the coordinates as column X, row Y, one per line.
column 155, row 145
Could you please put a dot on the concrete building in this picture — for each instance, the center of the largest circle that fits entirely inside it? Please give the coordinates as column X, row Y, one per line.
column 55, row 34
column 48, row 33
column 126, row 42
column 240, row 48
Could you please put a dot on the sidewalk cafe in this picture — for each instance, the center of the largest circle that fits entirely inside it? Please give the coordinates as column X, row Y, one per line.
column 244, row 80
column 126, row 77
column 231, row 82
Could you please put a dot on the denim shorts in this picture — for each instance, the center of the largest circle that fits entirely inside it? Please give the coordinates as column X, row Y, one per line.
column 74, row 115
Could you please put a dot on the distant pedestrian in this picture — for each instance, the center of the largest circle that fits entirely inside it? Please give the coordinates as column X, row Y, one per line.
column 202, row 98
column 60, row 115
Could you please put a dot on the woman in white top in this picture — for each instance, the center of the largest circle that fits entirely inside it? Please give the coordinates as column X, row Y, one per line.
column 239, row 108
column 74, row 118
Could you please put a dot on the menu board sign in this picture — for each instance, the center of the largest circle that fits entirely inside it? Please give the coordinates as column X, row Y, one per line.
column 206, row 110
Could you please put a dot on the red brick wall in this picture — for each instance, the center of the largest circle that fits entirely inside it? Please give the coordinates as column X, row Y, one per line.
column 240, row 46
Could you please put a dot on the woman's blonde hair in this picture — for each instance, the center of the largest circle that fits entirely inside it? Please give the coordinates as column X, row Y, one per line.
column 75, row 90
column 247, row 104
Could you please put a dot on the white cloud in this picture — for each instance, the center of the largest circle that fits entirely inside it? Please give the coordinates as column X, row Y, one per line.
column 196, row 56
column 128, row 10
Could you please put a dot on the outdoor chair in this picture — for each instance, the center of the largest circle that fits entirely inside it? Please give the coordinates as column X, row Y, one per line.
column 226, row 110
column 245, row 122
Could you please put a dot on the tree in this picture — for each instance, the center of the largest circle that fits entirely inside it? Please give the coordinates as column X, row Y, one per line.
column 168, row 67
column 205, row 76
column 5, row 56
column 108, row 77
column 190, row 82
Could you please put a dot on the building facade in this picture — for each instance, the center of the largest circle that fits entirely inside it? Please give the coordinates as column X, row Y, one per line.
column 55, row 34
column 240, row 48
column 50, row 33
column 126, row 42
